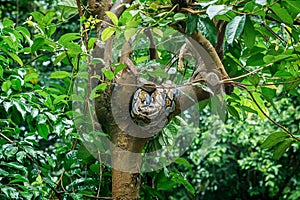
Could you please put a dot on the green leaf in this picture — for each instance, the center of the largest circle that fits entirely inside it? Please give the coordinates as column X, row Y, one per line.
column 273, row 59
column 249, row 33
column 268, row 93
column 281, row 148
column 64, row 39
column 165, row 184
column 274, row 139
column 43, row 130
column 30, row 151
column 6, row 86
column 10, row 192
column 20, row 156
column 37, row 44
column 16, row 84
column 158, row 73
column 233, row 111
column 108, row 74
column 119, row 68
column 107, row 33
column 7, row 105
column 15, row 58
column 51, row 161
column 73, row 49
column 59, row 74
column 68, row 6
column 16, row 165
column 179, row 16
column 254, row 79
column 293, row 6
column 83, row 75
column 183, row 161
column 234, row 28
column 256, row 60
column 282, row 13
column 261, row 104
column 1, row 72
column 112, row 17
column 10, row 150
column 191, row 24
column 49, row 17
column 180, row 179
column 59, row 58
column 100, row 87
column 3, row 172
column 25, row 33
column 31, row 76
column 214, row 10
column 60, row 99
column 38, row 17
column 20, row 107
column 18, row 179
column 91, row 42
column 128, row 33
column 208, row 29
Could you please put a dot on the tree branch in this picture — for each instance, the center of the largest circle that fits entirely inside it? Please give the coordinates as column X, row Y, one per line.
column 265, row 114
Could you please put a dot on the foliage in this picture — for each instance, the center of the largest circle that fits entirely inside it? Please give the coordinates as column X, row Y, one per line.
column 41, row 154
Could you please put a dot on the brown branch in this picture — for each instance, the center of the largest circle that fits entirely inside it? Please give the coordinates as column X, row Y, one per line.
column 204, row 50
column 152, row 47
column 188, row 96
column 221, row 27
column 242, row 76
column 264, row 113
column 85, row 35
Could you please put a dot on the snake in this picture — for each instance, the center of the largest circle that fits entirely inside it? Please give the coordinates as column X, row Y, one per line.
column 152, row 105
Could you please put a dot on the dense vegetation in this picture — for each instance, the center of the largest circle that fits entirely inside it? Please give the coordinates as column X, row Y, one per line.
column 255, row 154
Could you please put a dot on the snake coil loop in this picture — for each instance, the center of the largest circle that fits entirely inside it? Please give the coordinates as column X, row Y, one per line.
column 151, row 109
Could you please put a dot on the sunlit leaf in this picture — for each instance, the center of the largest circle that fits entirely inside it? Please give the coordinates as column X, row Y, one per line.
column 234, row 28
column 59, row 74
column 112, row 17
column 107, row 33
column 214, row 10
column 6, row 86
column 68, row 37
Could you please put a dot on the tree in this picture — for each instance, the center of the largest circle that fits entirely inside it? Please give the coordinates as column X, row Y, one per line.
column 252, row 46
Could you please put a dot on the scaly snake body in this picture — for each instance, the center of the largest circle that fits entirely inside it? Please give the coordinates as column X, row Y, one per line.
column 151, row 107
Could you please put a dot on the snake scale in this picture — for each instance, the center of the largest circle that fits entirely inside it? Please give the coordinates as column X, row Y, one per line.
column 151, row 106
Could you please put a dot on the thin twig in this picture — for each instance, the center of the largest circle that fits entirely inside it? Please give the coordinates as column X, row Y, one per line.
column 6, row 138
column 242, row 76
column 264, row 113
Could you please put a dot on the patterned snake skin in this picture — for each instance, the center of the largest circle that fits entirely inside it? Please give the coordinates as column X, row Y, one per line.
column 151, row 108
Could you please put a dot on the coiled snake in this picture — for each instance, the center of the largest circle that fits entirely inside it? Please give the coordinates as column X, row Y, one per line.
column 152, row 105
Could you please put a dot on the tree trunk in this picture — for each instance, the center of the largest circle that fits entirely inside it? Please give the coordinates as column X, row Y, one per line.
column 128, row 138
